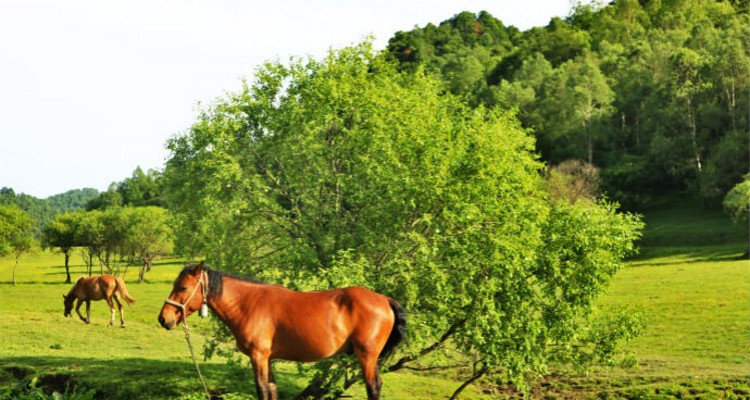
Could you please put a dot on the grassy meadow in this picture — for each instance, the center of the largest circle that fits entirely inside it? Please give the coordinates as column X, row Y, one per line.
column 692, row 290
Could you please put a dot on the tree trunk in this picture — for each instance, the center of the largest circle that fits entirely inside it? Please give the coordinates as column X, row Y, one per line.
column 67, row 267
column 694, row 135
column 15, row 264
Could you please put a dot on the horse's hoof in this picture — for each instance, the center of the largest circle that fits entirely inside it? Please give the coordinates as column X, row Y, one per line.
column 122, row 326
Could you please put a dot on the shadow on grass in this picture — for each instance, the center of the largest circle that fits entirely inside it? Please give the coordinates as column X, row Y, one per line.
column 669, row 255
column 133, row 378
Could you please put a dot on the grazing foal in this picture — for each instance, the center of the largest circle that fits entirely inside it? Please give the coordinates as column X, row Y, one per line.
column 95, row 288
column 270, row 321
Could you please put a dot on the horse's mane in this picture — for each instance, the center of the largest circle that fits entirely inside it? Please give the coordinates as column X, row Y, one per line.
column 216, row 279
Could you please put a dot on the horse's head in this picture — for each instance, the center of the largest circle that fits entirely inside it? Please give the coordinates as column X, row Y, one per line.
column 188, row 293
column 68, row 302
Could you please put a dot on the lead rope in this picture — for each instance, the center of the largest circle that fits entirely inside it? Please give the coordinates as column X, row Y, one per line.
column 195, row 361
column 204, row 287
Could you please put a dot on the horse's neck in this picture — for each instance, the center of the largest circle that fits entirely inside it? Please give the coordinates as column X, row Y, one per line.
column 74, row 291
column 231, row 305
column 77, row 288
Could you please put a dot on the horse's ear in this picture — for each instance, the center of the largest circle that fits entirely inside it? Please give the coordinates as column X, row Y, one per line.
column 65, row 297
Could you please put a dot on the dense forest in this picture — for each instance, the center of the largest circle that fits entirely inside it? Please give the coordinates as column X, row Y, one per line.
column 653, row 93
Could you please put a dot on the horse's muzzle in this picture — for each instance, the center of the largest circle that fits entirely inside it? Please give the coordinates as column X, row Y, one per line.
column 166, row 325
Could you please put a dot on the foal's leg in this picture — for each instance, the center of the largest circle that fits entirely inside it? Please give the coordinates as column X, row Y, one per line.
column 368, row 360
column 78, row 311
column 261, row 363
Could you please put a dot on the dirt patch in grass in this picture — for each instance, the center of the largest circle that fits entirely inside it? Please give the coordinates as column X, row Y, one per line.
column 556, row 387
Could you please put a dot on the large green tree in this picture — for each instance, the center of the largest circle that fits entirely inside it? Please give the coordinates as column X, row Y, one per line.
column 60, row 233
column 147, row 235
column 345, row 171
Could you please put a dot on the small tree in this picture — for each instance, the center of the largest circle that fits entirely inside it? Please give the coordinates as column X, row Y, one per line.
column 148, row 235
column 60, row 233
column 89, row 234
column 573, row 180
column 737, row 204
column 16, row 233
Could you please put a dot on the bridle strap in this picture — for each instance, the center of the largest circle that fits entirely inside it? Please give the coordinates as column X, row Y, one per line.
column 203, row 284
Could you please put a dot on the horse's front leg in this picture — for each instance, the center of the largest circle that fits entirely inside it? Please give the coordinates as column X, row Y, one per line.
column 261, row 363
column 78, row 311
column 88, row 311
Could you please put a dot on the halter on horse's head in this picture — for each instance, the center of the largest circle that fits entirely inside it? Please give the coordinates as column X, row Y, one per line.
column 183, row 296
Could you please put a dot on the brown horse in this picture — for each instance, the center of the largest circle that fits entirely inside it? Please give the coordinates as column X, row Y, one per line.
column 270, row 321
column 96, row 288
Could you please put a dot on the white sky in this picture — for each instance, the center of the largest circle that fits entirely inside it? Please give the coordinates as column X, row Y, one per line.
column 91, row 89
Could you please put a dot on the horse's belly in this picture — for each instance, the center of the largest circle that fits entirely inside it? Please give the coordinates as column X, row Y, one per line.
column 309, row 348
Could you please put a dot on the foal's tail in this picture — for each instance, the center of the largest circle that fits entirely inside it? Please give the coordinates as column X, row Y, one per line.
column 122, row 290
column 398, row 333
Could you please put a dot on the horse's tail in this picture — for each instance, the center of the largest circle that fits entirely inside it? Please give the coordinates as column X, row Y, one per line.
column 398, row 332
column 123, row 291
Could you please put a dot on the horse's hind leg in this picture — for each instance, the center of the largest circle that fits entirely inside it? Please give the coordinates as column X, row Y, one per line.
column 369, row 363
column 261, row 365
column 111, row 311
column 119, row 307
column 271, row 382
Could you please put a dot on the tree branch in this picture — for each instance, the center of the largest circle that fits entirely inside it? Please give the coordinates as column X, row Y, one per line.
column 474, row 377
column 447, row 335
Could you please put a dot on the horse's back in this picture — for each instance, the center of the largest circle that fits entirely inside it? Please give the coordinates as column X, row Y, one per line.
column 95, row 287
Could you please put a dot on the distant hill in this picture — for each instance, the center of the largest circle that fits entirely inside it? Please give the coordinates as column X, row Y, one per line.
column 43, row 210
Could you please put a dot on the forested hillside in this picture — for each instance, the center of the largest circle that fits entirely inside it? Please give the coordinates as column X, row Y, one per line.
column 654, row 93
column 43, row 210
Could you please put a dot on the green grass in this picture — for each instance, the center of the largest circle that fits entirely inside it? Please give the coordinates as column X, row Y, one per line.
column 687, row 282
column 698, row 315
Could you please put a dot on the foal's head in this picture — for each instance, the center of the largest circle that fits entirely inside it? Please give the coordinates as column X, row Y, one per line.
column 68, row 302
column 187, row 295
